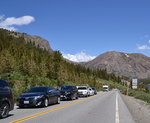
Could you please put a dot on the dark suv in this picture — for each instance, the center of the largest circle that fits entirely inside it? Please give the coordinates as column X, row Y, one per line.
column 69, row 92
column 6, row 99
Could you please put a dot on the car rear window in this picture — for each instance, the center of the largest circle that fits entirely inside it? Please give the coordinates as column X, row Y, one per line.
column 94, row 88
column 37, row 89
column 3, row 83
column 82, row 88
column 66, row 88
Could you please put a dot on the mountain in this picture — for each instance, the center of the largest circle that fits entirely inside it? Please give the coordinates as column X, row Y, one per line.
column 131, row 65
column 38, row 41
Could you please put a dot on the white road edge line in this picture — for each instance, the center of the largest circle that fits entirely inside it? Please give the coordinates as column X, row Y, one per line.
column 117, row 110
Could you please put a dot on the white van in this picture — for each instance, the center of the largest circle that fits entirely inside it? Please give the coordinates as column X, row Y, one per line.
column 105, row 88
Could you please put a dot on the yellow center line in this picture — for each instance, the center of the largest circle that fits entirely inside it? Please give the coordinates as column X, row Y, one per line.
column 50, row 110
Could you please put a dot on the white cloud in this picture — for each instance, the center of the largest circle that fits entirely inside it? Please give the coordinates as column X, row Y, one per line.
column 1, row 17
column 79, row 57
column 10, row 22
column 144, row 47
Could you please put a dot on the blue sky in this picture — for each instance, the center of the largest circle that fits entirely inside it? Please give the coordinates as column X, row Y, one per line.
column 82, row 28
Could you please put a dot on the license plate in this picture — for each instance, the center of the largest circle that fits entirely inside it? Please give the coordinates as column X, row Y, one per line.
column 26, row 102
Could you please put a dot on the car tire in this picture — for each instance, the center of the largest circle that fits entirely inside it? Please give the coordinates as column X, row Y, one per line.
column 72, row 97
column 77, row 97
column 45, row 104
column 58, row 100
column 4, row 110
column 20, row 106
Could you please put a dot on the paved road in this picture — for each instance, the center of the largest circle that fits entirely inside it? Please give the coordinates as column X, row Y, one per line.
column 105, row 107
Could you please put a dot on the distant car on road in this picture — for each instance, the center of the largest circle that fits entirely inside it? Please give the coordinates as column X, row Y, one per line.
column 83, row 91
column 39, row 96
column 68, row 92
column 6, row 99
column 94, row 89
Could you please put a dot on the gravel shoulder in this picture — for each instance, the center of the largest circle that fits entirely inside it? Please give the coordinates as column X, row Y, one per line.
column 139, row 109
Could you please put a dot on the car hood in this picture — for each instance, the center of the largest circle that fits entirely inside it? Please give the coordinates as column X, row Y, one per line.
column 32, row 94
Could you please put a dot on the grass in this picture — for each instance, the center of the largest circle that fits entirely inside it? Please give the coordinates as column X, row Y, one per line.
column 140, row 95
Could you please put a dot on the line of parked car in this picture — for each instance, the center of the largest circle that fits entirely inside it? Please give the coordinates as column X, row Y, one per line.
column 40, row 96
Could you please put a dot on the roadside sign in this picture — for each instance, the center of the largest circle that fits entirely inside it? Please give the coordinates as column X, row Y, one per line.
column 134, row 83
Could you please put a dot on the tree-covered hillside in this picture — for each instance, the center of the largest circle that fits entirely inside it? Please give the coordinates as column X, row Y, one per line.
column 24, row 65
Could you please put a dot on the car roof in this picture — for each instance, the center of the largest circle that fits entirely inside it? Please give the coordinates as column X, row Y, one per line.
column 68, row 85
column 43, row 87
column 3, row 80
column 83, row 86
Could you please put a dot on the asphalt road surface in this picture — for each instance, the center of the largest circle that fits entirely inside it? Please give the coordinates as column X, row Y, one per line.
column 105, row 107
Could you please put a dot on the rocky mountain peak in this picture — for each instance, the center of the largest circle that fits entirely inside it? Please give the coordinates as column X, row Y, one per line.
column 132, row 65
column 42, row 43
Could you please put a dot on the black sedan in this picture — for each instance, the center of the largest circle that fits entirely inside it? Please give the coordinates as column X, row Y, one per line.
column 69, row 92
column 39, row 97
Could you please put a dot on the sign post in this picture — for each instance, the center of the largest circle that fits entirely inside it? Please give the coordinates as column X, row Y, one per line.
column 134, row 83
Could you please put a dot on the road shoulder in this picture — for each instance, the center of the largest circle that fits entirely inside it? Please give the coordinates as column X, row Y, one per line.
column 139, row 109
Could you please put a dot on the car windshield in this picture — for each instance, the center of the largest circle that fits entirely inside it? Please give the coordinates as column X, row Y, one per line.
column 82, row 88
column 105, row 88
column 37, row 89
column 66, row 87
column 3, row 83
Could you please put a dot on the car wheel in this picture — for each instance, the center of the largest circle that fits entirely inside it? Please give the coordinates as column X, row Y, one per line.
column 58, row 100
column 20, row 106
column 77, row 97
column 72, row 97
column 4, row 110
column 45, row 102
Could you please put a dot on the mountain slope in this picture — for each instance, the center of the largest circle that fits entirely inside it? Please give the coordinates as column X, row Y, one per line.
column 122, row 64
column 38, row 41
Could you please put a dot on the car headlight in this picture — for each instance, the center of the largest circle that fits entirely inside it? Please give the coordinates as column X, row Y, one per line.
column 68, row 92
column 37, row 97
